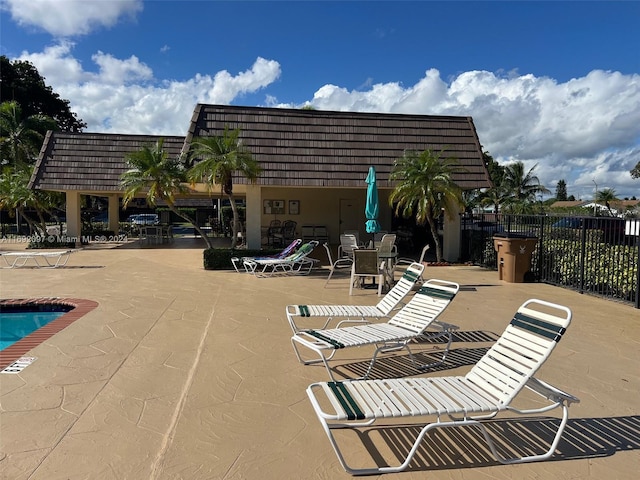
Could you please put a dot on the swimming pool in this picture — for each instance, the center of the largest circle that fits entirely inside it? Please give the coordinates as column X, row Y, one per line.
column 16, row 325
column 68, row 310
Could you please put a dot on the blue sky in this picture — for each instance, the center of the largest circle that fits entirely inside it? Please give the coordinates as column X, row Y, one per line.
column 555, row 84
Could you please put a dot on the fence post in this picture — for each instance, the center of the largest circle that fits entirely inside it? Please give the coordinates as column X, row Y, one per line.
column 583, row 256
column 638, row 277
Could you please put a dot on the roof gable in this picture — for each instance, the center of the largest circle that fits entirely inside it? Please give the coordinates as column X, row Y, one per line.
column 90, row 161
column 295, row 148
column 315, row 148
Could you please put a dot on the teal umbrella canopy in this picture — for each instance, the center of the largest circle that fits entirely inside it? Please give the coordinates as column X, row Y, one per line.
column 372, row 207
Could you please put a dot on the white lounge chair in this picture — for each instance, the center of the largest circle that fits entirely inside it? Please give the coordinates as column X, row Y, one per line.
column 411, row 321
column 297, row 263
column 240, row 265
column 358, row 313
column 488, row 389
column 402, row 261
column 41, row 259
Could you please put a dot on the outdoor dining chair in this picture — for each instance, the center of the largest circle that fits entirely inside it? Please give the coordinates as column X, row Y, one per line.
column 366, row 264
column 338, row 264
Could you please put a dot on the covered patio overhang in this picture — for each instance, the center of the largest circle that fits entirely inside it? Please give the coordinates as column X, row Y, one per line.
column 314, row 163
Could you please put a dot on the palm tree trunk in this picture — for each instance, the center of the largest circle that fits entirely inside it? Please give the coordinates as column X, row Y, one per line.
column 186, row 217
column 33, row 228
column 436, row 238
column 234, row 221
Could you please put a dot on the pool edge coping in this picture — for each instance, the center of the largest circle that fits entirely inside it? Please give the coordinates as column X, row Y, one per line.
column 23, row 346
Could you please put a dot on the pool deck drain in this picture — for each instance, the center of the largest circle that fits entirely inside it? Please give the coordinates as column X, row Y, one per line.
column 19, row 365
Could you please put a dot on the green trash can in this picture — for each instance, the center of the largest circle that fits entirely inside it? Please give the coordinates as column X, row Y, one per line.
column 514, row 252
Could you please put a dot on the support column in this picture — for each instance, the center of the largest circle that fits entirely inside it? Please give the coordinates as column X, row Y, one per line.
column 451, row 239
column 114, row 213
column 74, row 222
column 254, row 217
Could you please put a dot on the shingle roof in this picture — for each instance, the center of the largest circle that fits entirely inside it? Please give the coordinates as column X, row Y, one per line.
column 296, row 148
column 335, row 149
column 90, row 161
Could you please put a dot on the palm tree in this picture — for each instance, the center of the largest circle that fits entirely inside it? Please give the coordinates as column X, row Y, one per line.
column 493, row 197
column 425, row 187
column 607, row 196
column 219, row 158
column 151, row 171
column 15, row 195
column 521, row 187
column 21, row 139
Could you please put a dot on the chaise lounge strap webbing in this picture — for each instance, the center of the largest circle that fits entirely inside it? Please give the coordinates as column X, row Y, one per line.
column 410, row 276
column 324, row 338
column 437, row 293
column 349, row 405
column 304, row 311
column 540, row 327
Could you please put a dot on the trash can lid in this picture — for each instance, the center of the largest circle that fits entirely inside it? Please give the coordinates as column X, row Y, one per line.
column 514, row 235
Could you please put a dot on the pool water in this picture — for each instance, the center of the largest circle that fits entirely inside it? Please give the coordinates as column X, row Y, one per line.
column 15, row 326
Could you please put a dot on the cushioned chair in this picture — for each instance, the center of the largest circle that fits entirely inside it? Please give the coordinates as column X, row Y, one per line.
column 489, row 388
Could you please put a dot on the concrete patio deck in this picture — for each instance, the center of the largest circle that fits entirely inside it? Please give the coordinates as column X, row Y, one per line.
column 182, row 373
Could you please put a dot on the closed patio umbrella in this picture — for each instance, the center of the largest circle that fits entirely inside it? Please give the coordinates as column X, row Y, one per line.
column 372, row 208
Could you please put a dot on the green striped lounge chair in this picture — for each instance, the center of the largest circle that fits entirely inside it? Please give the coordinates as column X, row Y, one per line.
column 490, row 388
column 358, row 313
column 416, row 318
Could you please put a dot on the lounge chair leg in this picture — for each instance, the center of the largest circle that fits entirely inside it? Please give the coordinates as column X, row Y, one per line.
column 444, row 353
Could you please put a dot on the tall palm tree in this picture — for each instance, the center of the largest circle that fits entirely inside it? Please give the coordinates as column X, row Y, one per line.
column 521, row 187
column 218, row 158
column 607, row 196
column 159, row 177
column 21, row 138
column 425, row 187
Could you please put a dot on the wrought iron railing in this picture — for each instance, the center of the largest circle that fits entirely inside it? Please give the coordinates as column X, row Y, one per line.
column 596, row 255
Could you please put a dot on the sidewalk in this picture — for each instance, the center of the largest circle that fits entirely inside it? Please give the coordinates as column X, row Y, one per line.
column 182, row 373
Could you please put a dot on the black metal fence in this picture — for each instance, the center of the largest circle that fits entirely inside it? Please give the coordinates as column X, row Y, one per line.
column 596, row 255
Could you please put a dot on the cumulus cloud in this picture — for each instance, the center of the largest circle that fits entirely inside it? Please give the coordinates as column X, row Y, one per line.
column 66, row 18
column 582, row 129
column 124, row 97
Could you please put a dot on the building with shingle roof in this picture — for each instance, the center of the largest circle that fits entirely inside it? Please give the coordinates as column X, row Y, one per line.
column 316, row 160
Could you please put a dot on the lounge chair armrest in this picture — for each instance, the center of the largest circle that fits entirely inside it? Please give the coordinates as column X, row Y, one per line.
column 550, row 392
column 444, row 326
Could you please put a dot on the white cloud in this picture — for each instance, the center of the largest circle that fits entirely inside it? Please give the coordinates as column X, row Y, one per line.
column 66, row 18
column 580, row 130
column 123, row 96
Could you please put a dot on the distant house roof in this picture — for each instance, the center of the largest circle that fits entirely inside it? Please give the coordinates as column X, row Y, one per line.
column 315, row 148
column 295, row 148
column 569, row 204
column 90, row 161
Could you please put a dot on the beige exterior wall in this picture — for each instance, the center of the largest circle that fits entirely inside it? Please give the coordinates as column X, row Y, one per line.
column 337, row 209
